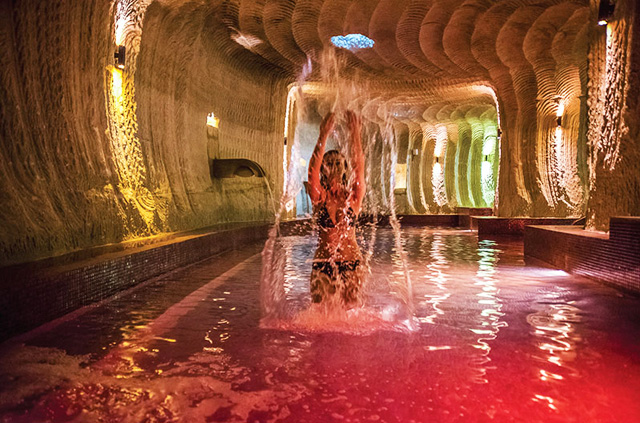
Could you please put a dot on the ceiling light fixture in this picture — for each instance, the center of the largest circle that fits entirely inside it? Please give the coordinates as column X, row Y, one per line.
column 352, row 41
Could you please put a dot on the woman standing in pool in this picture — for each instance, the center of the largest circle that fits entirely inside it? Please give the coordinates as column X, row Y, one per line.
column 337, row 199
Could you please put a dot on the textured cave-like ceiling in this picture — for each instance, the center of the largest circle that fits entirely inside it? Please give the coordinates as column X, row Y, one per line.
column 426, row 52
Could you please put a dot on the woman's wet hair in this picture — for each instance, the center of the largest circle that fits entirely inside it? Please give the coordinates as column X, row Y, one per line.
column 323, row 178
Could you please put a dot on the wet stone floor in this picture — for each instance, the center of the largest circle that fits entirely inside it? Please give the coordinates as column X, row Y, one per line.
column 490, row 339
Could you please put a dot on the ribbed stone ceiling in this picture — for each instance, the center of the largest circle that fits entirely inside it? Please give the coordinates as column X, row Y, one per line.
column 520, row 48
column 461, row 63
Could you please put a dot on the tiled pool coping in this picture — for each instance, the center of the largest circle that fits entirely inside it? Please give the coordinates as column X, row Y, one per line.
column 612, row 258
column 35, row 293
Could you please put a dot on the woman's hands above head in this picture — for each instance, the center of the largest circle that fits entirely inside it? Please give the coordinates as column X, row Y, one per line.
column 327, row 125
column 316, row 190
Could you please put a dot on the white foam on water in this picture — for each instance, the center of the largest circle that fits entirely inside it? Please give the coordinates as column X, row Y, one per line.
column 356, row 321
column 55, row 386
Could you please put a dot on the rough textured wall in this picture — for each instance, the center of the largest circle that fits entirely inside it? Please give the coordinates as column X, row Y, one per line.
column 66, row 180
column 185, row 73
column 539, row 173
column 456, row 163
column 57, row 178
column 414, row 170
column 614, row 118
column 447, row 55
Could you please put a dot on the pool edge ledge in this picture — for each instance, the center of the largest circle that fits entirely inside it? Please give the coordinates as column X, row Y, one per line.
column 613, row 259
column 34, row 294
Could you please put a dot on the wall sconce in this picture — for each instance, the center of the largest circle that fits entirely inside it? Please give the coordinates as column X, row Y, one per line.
column 437, row 159
column 120, row 56
column 212, row 120
column 605, row 12
column 212, row 126
column 559, row 111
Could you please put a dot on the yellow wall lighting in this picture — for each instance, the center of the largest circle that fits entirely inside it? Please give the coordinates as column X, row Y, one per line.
column 401, row 176
column 559, row 113
column 212, row 120
column 437, row 173
column 116, row 89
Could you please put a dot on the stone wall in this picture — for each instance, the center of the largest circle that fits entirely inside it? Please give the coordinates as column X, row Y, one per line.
column 91, row 155
column 614, row 118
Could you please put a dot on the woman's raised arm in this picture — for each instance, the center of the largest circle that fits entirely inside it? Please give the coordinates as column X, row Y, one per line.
column 316, row 191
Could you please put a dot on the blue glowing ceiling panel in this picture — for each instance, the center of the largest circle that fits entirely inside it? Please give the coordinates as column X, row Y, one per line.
column 352, row 41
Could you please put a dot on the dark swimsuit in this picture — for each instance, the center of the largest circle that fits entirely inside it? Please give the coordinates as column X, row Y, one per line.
column 326, row 274
column 324, row 218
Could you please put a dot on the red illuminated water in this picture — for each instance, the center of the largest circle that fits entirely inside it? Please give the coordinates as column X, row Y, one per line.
column 491, row 340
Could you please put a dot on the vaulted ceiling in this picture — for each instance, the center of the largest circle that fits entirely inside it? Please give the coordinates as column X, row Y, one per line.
column 426, row 51
column 435, row 40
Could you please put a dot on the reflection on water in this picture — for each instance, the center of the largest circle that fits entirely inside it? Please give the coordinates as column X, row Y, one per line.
column 492, row 340
column 490, row 322
column 436, row 277
column 554, row 329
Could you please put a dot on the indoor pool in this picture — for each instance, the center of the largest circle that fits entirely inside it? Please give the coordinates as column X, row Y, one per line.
column 489, row 338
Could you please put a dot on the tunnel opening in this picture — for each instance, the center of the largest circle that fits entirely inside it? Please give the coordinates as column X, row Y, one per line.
column 152, row 149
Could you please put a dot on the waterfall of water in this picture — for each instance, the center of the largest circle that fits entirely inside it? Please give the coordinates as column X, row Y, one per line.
column 320, row 91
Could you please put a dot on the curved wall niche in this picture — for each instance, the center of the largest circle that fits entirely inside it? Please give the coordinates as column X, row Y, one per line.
column 228, row 168
column 234, row 168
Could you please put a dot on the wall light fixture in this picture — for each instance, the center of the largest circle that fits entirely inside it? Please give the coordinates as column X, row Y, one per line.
column 120, row 56
column 559, row 111
column 212, row 120
column 437, row 159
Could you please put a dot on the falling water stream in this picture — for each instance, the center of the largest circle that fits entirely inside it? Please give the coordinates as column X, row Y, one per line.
column 331, row 92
